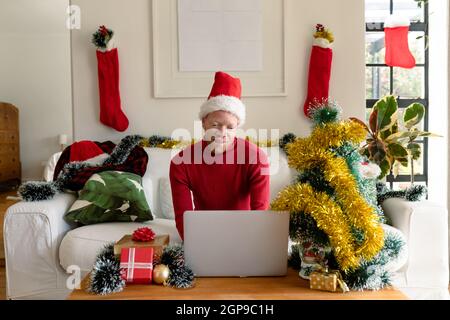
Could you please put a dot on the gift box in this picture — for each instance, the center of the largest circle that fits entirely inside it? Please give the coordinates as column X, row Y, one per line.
column 327, row 281
column 158, row 245
column 136, row 265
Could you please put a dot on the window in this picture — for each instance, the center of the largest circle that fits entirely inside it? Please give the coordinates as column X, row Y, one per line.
column 408, row 85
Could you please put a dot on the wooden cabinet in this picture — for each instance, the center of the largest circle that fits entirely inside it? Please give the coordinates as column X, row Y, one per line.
column 10, row 167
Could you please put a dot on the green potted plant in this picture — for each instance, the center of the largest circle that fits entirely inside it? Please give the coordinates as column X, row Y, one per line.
column 389, row 145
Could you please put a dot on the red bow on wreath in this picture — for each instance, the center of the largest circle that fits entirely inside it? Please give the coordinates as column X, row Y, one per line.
column 103, row 30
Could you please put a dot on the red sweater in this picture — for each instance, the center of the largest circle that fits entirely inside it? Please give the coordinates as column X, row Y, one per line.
column 238, row 179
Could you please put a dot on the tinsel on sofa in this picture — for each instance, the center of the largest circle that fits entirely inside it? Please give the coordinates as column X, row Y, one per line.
column 333, row 204
column 413, row 193
column 126, row 156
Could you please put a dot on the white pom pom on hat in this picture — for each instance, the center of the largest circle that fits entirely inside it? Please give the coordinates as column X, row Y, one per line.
column 225, row 96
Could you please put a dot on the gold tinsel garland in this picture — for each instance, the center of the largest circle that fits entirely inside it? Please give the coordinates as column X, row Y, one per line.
column 323, row 138
column 301, row 197
column 357, row 210
column 349, row 208
column 168, row 143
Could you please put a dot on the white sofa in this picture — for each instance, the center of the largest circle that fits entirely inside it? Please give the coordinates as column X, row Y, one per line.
column 40, row 246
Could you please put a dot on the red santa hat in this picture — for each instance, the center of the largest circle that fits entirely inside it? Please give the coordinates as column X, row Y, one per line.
column 84, row 150
column 226, row 96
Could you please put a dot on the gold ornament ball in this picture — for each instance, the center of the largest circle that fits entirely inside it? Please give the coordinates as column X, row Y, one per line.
column 160, row 274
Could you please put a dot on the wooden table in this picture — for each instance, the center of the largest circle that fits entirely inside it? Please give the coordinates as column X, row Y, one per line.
column 290, row 287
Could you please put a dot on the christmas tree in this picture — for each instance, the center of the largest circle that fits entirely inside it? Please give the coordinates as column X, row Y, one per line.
column 335, row 219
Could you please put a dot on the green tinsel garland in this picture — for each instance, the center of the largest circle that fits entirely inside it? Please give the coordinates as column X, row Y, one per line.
column 173, row 256
column 105, row 277
column 38, row 191
column 303, row 227
column 181, row 276
column 155, row 140
column 316, row 179
column 413, row 193
column 325, row 111
column 373, row 274
column 285, row 140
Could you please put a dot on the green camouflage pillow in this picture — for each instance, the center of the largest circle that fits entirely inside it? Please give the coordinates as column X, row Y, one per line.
column 111, row 196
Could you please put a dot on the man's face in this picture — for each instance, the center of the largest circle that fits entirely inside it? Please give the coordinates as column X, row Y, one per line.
column 220, row 127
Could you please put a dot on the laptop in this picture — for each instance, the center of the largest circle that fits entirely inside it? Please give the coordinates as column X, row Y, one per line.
column 236, row 243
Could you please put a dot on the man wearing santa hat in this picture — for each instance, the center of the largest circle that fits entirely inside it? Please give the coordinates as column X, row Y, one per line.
column 232, row 173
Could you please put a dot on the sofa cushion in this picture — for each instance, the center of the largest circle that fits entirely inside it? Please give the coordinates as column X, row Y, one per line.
column 157, row 167
column 165, row 196
column 49, row 169
column 111, row 196
column 80, row 246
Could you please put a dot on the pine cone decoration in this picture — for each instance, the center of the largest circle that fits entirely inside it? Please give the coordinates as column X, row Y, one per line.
column 320, row 27
column 143, row 235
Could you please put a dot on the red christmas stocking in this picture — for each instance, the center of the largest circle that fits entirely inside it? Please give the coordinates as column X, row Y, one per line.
column 111, row 113
column 319, row 71
column 396, row 39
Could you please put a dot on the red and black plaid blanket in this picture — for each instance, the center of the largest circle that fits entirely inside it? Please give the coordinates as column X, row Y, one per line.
column 135, row 163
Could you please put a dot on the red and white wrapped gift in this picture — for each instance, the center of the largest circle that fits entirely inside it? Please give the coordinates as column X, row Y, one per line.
column 137, row 265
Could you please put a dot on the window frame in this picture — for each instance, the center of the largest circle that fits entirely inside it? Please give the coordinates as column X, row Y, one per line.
column 374, row 27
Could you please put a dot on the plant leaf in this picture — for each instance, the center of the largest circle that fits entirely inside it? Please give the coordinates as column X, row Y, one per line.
column 377, row 151
column 408, row 134
column 360, row 122
column 365, row 152
column 396, row 169
column 387, row 113
column 373, row 120
column 385, row 167
column 413, row 115
column 396, row 150
column 385, row 134
column 403, row 161
column 414, row 150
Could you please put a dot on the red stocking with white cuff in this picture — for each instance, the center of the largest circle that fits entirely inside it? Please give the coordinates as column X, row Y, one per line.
column 319, row 68
column 396, row 31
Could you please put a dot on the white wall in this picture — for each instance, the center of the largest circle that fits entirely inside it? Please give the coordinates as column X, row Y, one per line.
column 35, row 75
column 35, row 68
column 438, row 171
column 438, row 113
column 131, row 21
